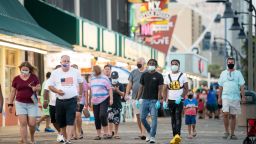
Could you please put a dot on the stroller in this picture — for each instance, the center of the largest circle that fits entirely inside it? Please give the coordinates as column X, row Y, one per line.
column 251, row 132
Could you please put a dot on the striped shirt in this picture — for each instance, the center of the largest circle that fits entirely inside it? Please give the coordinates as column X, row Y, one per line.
column 99, row 89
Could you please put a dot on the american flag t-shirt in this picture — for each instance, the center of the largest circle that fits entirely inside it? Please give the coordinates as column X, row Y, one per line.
column 67, row 81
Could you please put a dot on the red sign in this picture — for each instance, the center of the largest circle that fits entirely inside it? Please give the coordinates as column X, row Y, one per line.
column 161, row 40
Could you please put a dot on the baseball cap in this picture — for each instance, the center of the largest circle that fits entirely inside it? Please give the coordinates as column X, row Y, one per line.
column 114, row 75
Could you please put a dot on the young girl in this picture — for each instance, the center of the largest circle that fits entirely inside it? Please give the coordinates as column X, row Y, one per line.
column 190, row 106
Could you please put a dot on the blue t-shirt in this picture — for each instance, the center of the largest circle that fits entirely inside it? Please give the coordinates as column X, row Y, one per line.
column 211, row 97
column 231, row 83
column 191, row 103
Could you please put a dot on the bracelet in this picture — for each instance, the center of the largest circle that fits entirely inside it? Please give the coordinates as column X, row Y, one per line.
column 46, row 100
column 10, row 105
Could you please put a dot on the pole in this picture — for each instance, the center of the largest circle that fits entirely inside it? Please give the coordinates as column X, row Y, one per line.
column 225, row 51
column 250, row 50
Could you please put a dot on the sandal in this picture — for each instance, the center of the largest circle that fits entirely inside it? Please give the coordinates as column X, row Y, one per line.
column 117, row 137
column 226, row 135
column 106, row 136
column 97, row 138
column 74, row 138
column 142, row 137
column 81, row 137
column 233, row 137
column 190, row 137
column 194, row 134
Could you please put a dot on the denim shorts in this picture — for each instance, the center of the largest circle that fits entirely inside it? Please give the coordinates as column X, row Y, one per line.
column 190, row 119
column 29, row 109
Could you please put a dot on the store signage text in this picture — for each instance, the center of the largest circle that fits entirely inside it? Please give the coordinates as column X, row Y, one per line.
column 162, row 41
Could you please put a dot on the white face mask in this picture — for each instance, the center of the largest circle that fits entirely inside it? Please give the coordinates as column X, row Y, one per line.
column 174, row 68
column 25, row 72
column 151, row 68
column 114, row 81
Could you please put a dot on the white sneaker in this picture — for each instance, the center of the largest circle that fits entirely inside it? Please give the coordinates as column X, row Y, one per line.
column 152, row 140
column 148, row 138
column 60, row 138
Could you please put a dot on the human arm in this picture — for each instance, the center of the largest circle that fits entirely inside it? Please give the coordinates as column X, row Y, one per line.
column 12, row 96
column 242, row 93
column 185, row 90
column 1, row 100
column 57, row 91
column 219, row 95
column 46, row 98
column 110, row 96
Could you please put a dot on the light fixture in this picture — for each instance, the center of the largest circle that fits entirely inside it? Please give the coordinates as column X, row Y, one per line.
column 21, row 47
column 235, row 25
column 217, row 18
column 228, row 13
column 241, row 34
column 216, row 1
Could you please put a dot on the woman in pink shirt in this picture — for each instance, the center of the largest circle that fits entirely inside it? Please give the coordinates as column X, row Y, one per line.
column 24, row 89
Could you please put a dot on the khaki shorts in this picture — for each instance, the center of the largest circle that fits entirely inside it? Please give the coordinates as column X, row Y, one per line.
column 231, row 106
column 135, row 109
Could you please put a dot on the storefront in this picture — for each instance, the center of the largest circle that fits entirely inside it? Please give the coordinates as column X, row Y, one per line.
column 21, row 39
column 93, row 44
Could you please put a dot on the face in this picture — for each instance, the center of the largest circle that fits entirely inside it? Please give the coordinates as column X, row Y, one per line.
column 24, row 70
column 175, row 63
column 231, row 62
column 107, row 71
column 65, row 62
column 140, row 63
column 151, row 63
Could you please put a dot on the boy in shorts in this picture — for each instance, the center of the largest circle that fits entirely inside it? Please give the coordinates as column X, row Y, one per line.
column 190, row 106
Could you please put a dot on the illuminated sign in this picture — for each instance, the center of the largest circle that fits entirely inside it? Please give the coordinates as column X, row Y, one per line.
column 154, row 11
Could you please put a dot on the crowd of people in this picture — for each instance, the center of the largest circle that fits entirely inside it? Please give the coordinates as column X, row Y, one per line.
column 65, row 94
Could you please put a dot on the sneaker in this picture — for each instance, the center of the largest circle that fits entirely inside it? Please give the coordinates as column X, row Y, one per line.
column 49, row 130
column 147, row 138
column 233, row 137
column 37, row 128
column 60, row 138
column 226, row 135
column 152, row 140
column 67, row 142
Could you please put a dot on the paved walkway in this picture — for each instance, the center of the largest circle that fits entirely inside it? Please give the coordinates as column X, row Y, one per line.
column 209, row 132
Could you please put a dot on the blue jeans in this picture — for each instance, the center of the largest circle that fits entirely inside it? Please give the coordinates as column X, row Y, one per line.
column 148, row 106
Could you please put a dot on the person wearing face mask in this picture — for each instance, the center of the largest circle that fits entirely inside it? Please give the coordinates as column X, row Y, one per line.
column 115, row 109
column 231, row 88
column 190, row 106
column 64, row 82
column 133, row 85
column 24, row 91
column 151, row 86
column 174, row 90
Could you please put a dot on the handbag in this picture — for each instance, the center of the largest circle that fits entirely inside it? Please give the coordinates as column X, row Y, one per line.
column 86, row 113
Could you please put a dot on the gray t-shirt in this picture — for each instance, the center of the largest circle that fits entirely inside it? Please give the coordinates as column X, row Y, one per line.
column 134, row 78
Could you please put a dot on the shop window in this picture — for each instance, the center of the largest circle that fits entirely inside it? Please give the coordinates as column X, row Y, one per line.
column 10, row 70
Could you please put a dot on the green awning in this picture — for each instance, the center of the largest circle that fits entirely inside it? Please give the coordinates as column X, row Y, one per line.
column 15, row 20
column 60, row 22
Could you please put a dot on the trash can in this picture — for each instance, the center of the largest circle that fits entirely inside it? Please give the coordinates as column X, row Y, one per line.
column 248, row 109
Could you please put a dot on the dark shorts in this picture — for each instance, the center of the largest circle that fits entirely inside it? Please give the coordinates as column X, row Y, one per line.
column 52, row 112
column 114, row 115
column 190, row 119
column 66, row 111
column 212, row 107
column 80, row 109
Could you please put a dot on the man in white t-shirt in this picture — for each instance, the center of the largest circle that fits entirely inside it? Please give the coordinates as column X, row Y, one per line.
column 50, row 100
column 174, row 91
column 63, row 82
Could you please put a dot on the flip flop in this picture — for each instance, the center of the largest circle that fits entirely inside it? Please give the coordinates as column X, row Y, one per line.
column 97, row 138
column 117, row 137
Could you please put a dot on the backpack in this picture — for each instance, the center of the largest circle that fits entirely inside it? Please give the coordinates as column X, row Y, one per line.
column 175, row 85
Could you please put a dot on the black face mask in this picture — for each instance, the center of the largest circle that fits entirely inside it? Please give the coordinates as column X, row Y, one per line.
column 231, row 66
column 139, row 65
column 190, row 96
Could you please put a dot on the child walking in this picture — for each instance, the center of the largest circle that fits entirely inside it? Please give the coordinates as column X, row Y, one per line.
column 190, row 106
